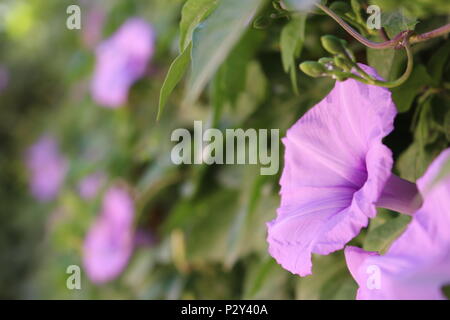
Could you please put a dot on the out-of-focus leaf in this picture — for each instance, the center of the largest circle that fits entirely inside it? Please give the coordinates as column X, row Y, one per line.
column 250, row 194
column 381, row 237
column 266, row 280
column 174, row 75
column 330, row 280
column 291, row 43
column 193, row 12
column 428, row 143
column 206, row 222
column 387, row 62
column 356, row 7
column 249, row 99
column 227, row 84
column 447, row 126
column 446, row 291
column 442, row 174
column 436, row 66
column 404, row 95
column 215, row 38
column 412, row 163
column 396, row 22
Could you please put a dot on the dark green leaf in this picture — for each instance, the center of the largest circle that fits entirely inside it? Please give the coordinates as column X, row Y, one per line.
column 404, row 95
column 227, row 84
column 194, row 11
column 291, row 43
column 380, row 238
column 174, row 75
column 396, row 22
column 215, row 38
column 437, row 63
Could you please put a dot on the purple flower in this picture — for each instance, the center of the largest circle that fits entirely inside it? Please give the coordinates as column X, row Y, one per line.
column 336, row 168
column 121, row 60
column 109, row 242
column 90, row 185
column 144, row 238
column 92, row 31
column 47, row 168
column 417, row 264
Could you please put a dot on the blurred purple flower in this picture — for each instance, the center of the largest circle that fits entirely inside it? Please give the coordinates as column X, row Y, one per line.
column 47, row 168
column 92, row 29
column 109, row 242
column 121, row 60
column 336, row 167
column 90, row 185
column 417, row 264
column 144, row 238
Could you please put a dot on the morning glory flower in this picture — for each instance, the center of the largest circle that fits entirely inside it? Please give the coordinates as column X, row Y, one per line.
column 121, row 60
column 109, row 242
column 417, row 265
column 47, row 168
column 336, row 171
column 92, row 29
column 90, row 185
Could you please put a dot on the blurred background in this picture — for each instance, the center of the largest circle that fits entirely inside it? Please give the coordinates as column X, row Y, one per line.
column 76, row 156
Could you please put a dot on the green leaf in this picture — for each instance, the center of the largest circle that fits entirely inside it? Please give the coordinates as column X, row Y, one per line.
column 356, row 7
column 404, row 95
column 413, row 162
column 387, row 62
column 266, row 280
column 442, row 174
column 396, row 22
column 252, row 183
column 215, row 38
column 446, row 291
column 227, row 84
column 381, row 237
column 174, row 75
column 193, row 12
column 437, row 63
column 330, row 280
column 291, row 43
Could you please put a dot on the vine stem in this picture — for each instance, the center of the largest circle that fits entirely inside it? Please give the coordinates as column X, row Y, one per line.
column 371, row 44
column 367, row 79
column 431, row 34
column 395, row 42
column 405, row 75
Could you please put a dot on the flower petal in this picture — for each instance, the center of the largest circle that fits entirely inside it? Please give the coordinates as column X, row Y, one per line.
column 121, row 60
column 335, row 169
column 417, row 264
column 109, row 242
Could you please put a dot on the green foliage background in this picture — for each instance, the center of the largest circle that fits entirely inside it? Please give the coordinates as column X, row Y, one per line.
column 209, row 220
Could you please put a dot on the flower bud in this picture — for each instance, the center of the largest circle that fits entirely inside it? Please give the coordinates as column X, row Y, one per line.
column 339, row 75
column 313, row 68
column 333, row 44
column 326, row 60
column 343, row 63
